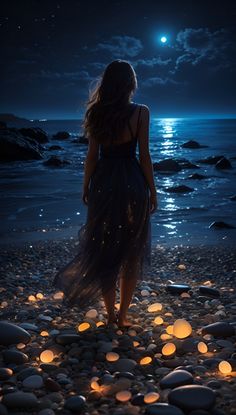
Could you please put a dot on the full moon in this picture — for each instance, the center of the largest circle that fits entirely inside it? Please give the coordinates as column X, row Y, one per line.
column 163, row 39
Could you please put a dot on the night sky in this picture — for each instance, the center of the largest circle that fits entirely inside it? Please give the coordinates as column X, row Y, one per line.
column 53, row 51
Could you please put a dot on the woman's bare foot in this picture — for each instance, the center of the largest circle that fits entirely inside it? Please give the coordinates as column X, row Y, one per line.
column 112, row 319
column 123, row 322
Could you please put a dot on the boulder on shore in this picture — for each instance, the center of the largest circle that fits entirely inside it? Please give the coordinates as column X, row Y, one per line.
column 223, row 163
column 80, row 140
column 192, row 144
column 36, row 133
column 167, row 165
column 61, row 135
column 15, row 146
column 210, row 160
column 186, row 164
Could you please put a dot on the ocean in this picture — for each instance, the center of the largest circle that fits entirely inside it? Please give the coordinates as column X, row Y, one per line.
column 38, row 202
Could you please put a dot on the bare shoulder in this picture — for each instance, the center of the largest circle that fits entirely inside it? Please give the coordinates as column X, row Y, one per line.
column 144, row 109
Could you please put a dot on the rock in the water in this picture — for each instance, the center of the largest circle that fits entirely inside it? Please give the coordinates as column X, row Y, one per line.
column 209, row 291
column 233, row 198
column 75, row 403
column 178, row 288
column 192, row 144
column 167, row 165
column 197, row 176
column 176, row 378
column 192, row 397
column 221, row 225
column 223, row 163
column 219, row 329
column 61, row 135
column 36, row 133
column 55, row 161
column 210, row 160
column 20, row 400
column 15, row 356
column 12, row 334
column 33, row 382
column 14, row 146
column 186, row 164
column 162, row 409
column 179, row 189
column 80, row 140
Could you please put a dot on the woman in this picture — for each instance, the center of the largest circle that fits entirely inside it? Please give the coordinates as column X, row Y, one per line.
column 119, row 191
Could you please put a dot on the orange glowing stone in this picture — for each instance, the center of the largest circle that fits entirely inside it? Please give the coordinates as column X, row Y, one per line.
column 153, row 308
column 145, row 360
column 135, row 343
column 100, row 323
column 182, row 328
column 169, row 329
column 158, row 321
column 123, row 396
column 39, row 296
column 20, row 346
column 151, row 397
column 112, row 356
column 95, row 385
column 165, row 336
column 83, row 326
column 202, row 347
column 168, row 349
column 44, row 333
column 32, row 298
column 225, row 367
column 182, row 266
column 46, row 356
column 58, row 296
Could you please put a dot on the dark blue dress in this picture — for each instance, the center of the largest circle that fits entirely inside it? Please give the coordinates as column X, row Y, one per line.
column 115, row 241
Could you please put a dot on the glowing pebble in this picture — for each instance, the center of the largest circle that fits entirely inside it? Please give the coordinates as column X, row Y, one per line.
column 225, row 367
column 112, row 356
column 151, row 397
column 83, row 326
column 145, row 293
column 39, row 296
column 58, row 296
column 165, row 336
column 185, row 295
column 123, row 396
column 155, row 307
column 145, row 360
column 4, row 304
column 182, row 328
column 168, row 314
column 202, row 347
column 135, row 343
column 95, row 385
column 91, row 313
column 158, row 320
column 100, row 323
column 44, row 333
column 168, row 349
column 169, row 329
column 32, row 298
column 181, row 266
column 20, row 346
column 46, row 356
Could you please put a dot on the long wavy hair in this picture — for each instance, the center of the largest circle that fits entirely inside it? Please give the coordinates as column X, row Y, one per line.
column 108, row 106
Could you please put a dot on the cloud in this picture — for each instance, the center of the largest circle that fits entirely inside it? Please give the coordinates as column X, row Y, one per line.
column 156, row 80
column 71, row 76
column 121, row 46
column 152, row 62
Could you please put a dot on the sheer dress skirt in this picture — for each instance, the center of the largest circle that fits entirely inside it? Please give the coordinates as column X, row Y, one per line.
column 115, row 241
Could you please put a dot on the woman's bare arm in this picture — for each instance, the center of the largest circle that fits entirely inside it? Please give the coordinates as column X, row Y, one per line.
column 144, row 154
column 90, row 161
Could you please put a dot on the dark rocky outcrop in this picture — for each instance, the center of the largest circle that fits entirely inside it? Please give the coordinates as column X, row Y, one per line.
column 36, row 133
column 196, row 176
column 210, row 160
column 223, row 163
column 6, row 118
column 185, row 164
column 167, row 165
column 179, row 189
column 221, row 225
column 15, row 146
column 80, row 140
column 192, row 144
column 233, row 198
column 61, row 135
column 56, row 162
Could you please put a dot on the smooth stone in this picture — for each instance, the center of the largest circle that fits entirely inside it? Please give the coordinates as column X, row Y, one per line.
column 5, row 373
column 208, row 291
column 162, row 409
column 138, row 399
column 75, row 403
column 26, row 372
column 123, row 365
column 219, row 329
column 212, row 362
column 176, row 378
column 33, row 382
column 214, row 384
column 15, row 356
column 20, row 400
column 178, row 288
column 13, row 334
column 225, row 344
column 51, row 385
column 127, row 375
column 65, row 339
column 29, row 326
column 46, row 411
column 190, row 397
column 223, row 163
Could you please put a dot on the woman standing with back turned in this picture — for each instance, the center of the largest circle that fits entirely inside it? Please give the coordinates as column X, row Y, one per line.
column 119, row 191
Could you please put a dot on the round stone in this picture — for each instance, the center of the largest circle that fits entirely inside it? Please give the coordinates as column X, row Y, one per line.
column 191, row 397
column 75, row 403
column 33, row 382
column 13, row 334
column 5, row 373
column 219, row 329
column 20, row 400
column 15, row 356
column 177, row 288
column 176, row 378
column 209, row 292
column 123, row 365
column 163, row 409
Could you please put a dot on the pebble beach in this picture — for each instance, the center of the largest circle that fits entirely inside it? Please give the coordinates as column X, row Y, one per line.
column 178, row 357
